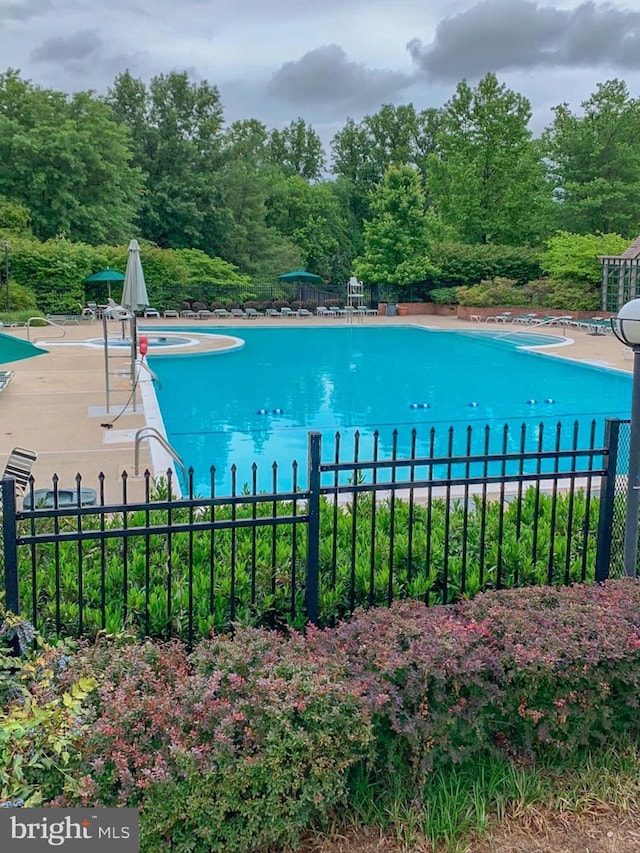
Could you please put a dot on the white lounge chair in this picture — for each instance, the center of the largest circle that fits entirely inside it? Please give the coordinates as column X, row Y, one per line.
column 19, row 466
column 5, row 378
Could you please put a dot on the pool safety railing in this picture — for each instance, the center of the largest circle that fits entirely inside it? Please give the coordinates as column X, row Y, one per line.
column 47, row 322
column 152, row 432
column 526, row 327
column 154, row 376
column 437, row 523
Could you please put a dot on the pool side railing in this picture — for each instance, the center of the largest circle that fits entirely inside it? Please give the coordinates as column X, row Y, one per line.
column 355, row 533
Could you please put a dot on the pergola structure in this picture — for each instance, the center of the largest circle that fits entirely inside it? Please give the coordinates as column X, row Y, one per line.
column 620, row 277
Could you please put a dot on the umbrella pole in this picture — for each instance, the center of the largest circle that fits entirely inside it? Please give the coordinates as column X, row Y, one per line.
column 134, row 352
column 106, row 357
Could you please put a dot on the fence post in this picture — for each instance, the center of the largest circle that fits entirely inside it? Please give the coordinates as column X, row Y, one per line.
column 313, row 527
column 10, row 546
column 607, row 499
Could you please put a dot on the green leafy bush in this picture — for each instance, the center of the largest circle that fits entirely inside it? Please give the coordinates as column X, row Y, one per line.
column 444, row 295
column 495, row 291
column 468, row 264
column 550, row 293
column 40, row 722
column 462, row 562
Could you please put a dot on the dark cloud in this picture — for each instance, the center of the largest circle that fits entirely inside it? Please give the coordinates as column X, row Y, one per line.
column 501, row 35
column 326, row 77
column 22, row 10
column 79, row 47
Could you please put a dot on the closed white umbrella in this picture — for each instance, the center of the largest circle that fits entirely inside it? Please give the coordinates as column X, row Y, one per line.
column 134, row 293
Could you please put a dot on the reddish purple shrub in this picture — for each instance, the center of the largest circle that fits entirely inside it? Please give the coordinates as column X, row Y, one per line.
column 250, row 740
column 242, row 747
column 429, row 676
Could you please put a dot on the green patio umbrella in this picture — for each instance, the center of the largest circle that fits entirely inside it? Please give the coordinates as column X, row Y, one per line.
column 15, row 349
column 300, row 277
column 108, row 276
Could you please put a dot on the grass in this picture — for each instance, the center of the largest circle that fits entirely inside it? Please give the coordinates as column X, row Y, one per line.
column 463, row 803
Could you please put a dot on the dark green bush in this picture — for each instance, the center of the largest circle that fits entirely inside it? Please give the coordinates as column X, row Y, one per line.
column 465, row 264
column 444, row 295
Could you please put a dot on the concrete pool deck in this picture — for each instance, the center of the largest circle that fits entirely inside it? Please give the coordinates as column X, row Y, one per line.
column 55, row 403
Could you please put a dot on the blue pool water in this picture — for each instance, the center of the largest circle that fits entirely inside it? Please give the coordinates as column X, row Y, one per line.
column 258, row 403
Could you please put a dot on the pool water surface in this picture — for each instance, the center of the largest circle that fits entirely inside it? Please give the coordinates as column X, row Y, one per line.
column 259, row 403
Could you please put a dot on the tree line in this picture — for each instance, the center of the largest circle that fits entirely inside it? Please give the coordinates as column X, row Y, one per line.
column 157, row 161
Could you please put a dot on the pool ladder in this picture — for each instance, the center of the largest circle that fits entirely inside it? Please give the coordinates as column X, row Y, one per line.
column 152, row 432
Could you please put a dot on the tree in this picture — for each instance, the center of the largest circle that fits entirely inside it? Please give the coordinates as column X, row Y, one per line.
column 595, row 162
column 486, row 178
column 176, row 127
column 297, row 150
column 311, row 215
column 363, row 152
column 396, row 238
column 574, row 257
column 67, row 161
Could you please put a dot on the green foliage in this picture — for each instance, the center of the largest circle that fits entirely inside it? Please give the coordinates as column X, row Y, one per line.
column 485, row 177
column 444, row 296
column 496, row 291
column 594, row 162
column 574, row 257
column 53, row 271
column 297, row 150
column 311, row 215
column 458, row 563
column 20, row 298
column 14, row 218
column 549, row 293
column 67, row 161
column 206, row 278
column 466, row 264
column 397, row 238
column 40, row 721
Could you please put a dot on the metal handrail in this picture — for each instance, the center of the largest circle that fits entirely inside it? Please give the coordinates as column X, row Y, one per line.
column 152, row 432
column 49, row 323
column 154, row 376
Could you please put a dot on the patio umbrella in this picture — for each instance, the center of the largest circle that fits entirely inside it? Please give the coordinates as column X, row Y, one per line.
column 300, row 277
column 108, row 276
column 15, row 349
column 134, row 293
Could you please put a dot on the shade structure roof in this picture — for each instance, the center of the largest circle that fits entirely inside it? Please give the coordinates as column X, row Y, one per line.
column 300, row 276
column 15, row 349
column 105, row 275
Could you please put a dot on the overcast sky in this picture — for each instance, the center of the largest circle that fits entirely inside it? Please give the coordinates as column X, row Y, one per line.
column 325, row 60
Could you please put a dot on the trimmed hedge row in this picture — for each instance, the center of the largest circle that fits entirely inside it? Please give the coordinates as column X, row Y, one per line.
column 250, row 740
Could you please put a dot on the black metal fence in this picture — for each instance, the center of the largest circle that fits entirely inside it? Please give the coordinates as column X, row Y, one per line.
column 357, row 532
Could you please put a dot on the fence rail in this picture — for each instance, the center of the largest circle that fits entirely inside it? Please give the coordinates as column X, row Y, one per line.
column 361, row 532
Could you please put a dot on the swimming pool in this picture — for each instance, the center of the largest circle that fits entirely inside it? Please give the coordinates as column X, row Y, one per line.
column 258, row 403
